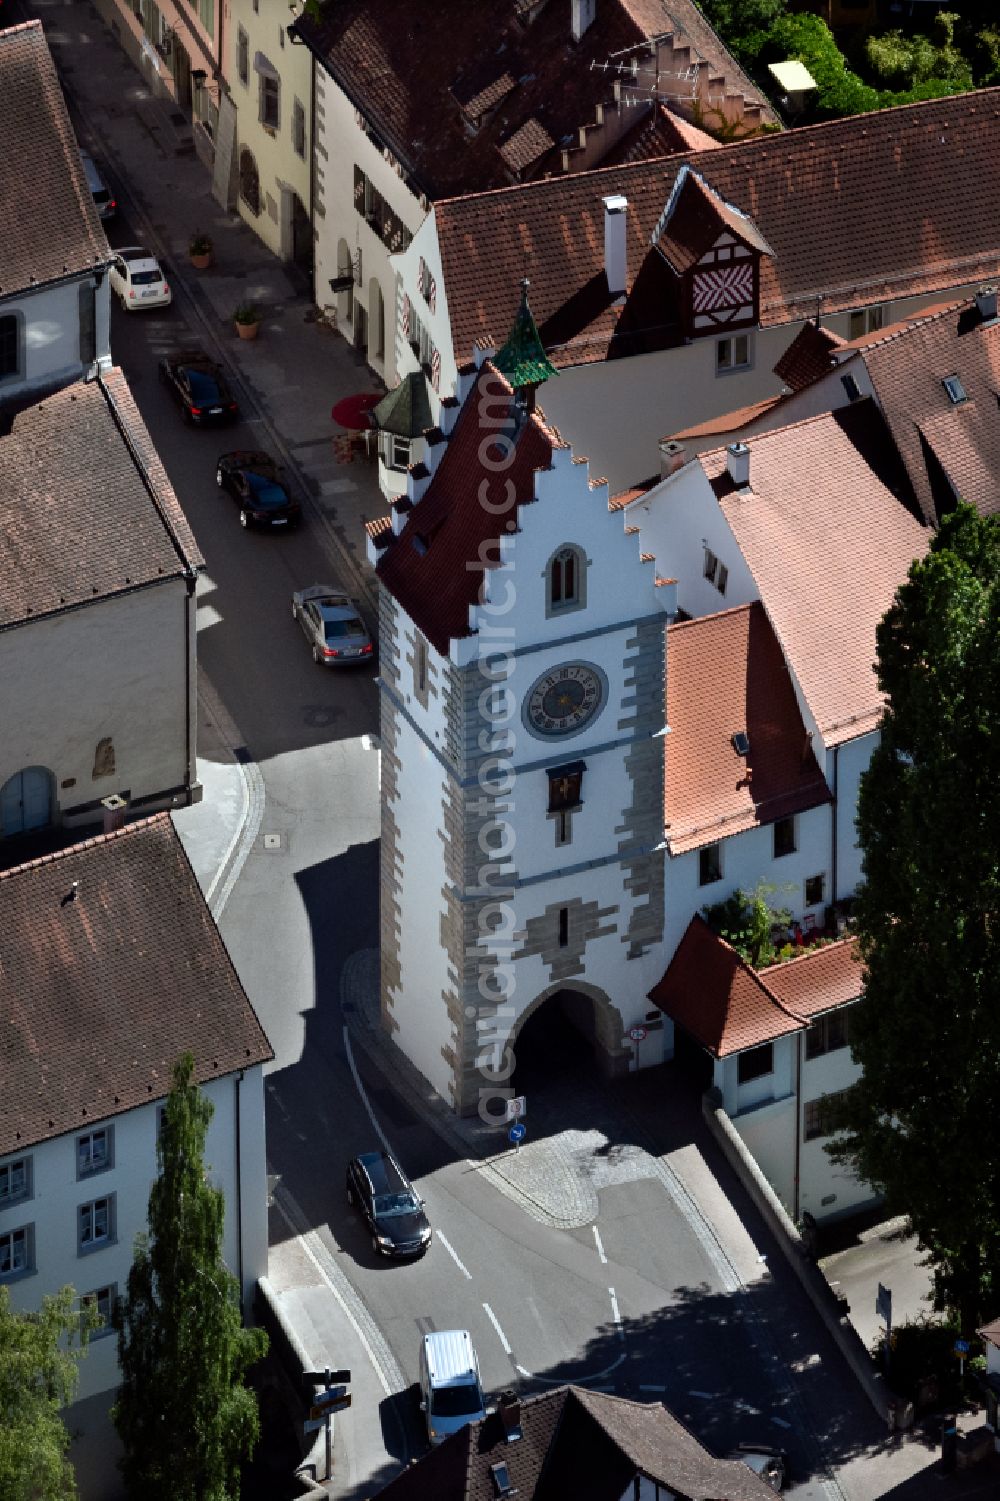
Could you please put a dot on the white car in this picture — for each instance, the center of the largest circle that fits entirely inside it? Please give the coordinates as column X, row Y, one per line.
column 137, row 279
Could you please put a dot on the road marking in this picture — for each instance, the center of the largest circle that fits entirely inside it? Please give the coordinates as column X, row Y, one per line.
column 653, row 1388
column 364, row 1098
column 615, row 1314
column 577, row 1380
column 454, row 1254
column 780, row 1422
column 496, row 1324
column 600, row 1248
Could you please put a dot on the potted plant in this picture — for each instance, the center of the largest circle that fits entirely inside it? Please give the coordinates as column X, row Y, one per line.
column 247, row 319
column 200, row 250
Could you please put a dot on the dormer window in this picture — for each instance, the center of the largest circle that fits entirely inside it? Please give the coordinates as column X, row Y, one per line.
column 866, row 321
column 566, row 580
column 956, row 391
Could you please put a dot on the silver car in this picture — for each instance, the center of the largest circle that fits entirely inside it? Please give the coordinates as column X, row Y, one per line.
column 333, row 626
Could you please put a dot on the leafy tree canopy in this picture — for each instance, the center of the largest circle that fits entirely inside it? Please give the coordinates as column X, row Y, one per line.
column 184, row 1415
column 927, row 1032
column 39, row 1358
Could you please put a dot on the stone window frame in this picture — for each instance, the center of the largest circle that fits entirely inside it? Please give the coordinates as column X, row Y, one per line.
column 269, row 102
column 89, row 1217
column 564, row 801
column 563, row 921
column 579, row 599
column 17, row 1245
column 16, row 1180
column 12, row 338
column 299, row 127
column 85, row 1167
column 727, row 352
column 108, row 1297
column 243, row 56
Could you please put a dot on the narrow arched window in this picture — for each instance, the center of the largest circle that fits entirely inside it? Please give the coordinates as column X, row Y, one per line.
column 566, row 582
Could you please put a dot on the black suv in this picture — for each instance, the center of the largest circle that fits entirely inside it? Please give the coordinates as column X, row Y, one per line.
column 377, row 1185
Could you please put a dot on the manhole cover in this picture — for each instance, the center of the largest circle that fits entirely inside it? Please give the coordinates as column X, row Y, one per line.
column 272, row 841
column 319, row 715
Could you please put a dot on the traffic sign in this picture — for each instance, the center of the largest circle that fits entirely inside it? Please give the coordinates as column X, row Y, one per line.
column 961, row 1347
column 313, row 1425
column 325, row 1378
column 328, row 1402
column 517, row 1133
column 516, row 1107
column 637, row 1034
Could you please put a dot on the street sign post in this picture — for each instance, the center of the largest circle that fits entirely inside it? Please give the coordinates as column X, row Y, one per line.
column 961, row 1350
column 516, row 1107
column 331, row 1399
column 517, row 1133
column 637, row 1034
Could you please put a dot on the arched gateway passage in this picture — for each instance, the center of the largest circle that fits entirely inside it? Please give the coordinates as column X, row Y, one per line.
column 571, row 1033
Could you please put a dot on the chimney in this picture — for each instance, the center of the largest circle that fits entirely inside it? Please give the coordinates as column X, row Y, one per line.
column 738, row 464
column 115, row 808
column 673, row 456
column 615, row 259
column 986, row 303
column 509, row 1408
column 583, row 12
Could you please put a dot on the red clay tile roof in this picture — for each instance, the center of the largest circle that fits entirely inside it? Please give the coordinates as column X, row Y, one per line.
column 895, row 204
column 424, row 568
column 819, row 980
column 808, row 357
column 876, row 335
column 828, row 543
column 576, row 1443
column 78, row 521
column 659, row 133
column 59, row 232
column 423, row 75
column 726, row 673
column 103, row 989
column 717, row 998
column 934, row 436
column 625, row 497
column 729, row 422
column 728, row 1006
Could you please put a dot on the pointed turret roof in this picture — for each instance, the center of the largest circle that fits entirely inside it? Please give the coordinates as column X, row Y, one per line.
column 406, row 409
column 523, row 359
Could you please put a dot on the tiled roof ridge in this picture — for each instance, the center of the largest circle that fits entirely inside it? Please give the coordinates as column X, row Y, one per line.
column 672, row 163
column 775, row 432
column 680, row 625
column 33, row 25
column 905, row 326
column 85, row 844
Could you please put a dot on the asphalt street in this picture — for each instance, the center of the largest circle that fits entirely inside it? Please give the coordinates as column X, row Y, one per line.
column 640, row 1302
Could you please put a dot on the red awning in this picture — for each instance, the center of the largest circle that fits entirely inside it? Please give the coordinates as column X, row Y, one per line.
column 353, row 411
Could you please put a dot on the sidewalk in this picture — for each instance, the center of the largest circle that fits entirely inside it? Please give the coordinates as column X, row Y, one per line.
column 297, row 369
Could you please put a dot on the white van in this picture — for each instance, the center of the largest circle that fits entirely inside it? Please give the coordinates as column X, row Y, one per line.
column 451, row 1392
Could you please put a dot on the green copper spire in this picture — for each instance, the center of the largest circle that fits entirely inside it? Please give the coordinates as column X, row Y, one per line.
column 523, row 359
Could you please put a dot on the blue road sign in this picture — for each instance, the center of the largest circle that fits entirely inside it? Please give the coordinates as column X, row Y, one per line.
column 517, row 1133
column 961, row 1347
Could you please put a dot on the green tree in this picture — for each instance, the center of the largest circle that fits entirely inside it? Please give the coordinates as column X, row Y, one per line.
column 39, row 1359
column 184, row 1414
column 903, row 61
column 743, row 24
column 918, row 1125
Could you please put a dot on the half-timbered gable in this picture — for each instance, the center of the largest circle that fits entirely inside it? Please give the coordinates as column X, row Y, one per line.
column 714, row 250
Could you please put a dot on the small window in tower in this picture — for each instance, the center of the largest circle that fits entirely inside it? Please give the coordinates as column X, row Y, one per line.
column 563, row 927
column 566, row 581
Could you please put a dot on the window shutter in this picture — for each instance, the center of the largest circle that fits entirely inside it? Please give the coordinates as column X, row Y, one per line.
column 435, row 369
column 432, row 294
column 422, row 275
column 405, row 316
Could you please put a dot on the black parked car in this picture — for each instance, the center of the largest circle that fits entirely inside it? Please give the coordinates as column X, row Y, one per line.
column 258, row 487
column 378, row 1187
column 199, row 385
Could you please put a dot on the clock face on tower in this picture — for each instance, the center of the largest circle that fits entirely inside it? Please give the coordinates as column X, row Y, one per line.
column 564, row 699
